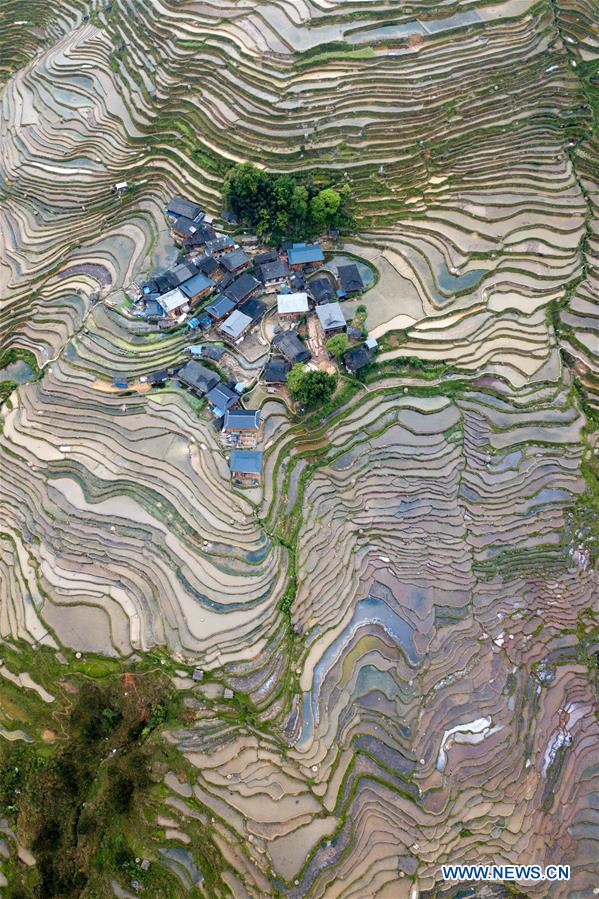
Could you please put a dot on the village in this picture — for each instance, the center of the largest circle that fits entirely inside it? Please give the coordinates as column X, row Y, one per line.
column 226, row 292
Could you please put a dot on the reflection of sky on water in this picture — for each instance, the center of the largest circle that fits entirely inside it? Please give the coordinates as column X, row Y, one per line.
column 368, row 611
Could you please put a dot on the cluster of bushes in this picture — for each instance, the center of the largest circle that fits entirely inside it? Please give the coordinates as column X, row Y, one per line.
column 281, row 206
column 310, row 388
column 69, row 805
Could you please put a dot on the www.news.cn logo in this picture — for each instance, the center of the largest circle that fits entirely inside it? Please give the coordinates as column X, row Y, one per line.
column 505, row 872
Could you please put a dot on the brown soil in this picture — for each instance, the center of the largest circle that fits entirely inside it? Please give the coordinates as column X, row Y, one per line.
column 320, row 356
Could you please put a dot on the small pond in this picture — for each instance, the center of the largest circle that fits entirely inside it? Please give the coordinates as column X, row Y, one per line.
column 454, row 283
column 366, row 273
column 19, row 372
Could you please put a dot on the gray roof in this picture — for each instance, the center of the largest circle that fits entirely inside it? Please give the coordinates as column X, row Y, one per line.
column 242, row 419
column 267, row 256
column 289, row 344
column 234, row 260
column 246, row 461
column 220, row 243
column 354, row 333
column 177, row 206
column 274, row 271
column 181, row 273
column 242, row 287
column 235, row 324
column 213, row 351
column 330, row 316
column 198, row 376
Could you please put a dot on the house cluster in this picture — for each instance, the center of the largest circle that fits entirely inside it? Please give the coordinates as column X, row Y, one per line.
column 216, row 282
column 217, row 285
column 240, row 428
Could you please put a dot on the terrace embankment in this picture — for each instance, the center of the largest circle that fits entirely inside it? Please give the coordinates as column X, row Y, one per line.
column 396, row 631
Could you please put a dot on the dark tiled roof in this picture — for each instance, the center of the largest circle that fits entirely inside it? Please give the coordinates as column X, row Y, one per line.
column 178, row 206
column 242, row 287
column 356, row 358
column 253, row 307
column 184, row 226
column 158, row 377
column 350, row 278
column 268, row 256
column 196, row 375
column 289, row 344
column 200, row 236
column 213, row 352
column 181, row 273
column 276, row 371
column 321, row 289
column 234, row 260
column 220, row 243
column 163, row 282
column 354, row 333
column 208, row 265
column 274, row 271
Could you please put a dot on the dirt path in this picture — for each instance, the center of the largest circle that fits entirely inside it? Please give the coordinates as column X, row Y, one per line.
column 320, row 356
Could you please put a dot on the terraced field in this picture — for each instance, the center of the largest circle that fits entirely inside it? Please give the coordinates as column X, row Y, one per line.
column 398, row 630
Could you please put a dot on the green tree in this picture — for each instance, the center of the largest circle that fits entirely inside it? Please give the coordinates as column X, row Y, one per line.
column 310, row 387
column 337, row 345
column 279, row 206
column 298, row 207
column 324, row 207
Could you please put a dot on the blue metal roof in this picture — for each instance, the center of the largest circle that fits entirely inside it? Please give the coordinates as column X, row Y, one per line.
column 246, row 461
column 244, row 419
column 220, row 307
column 302, row 254
column 222, row 398
column 196, row 284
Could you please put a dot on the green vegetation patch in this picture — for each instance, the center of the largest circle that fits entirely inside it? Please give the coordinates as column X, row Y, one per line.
column 84, row 798
column 280, row 206
column 310, row 388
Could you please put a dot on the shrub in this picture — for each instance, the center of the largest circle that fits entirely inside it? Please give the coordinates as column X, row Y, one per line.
column 337, row 345
column 310, row 387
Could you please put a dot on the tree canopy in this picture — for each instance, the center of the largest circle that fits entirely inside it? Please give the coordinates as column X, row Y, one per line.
column 280, row 206
column 337, row 345
column 310, row 387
